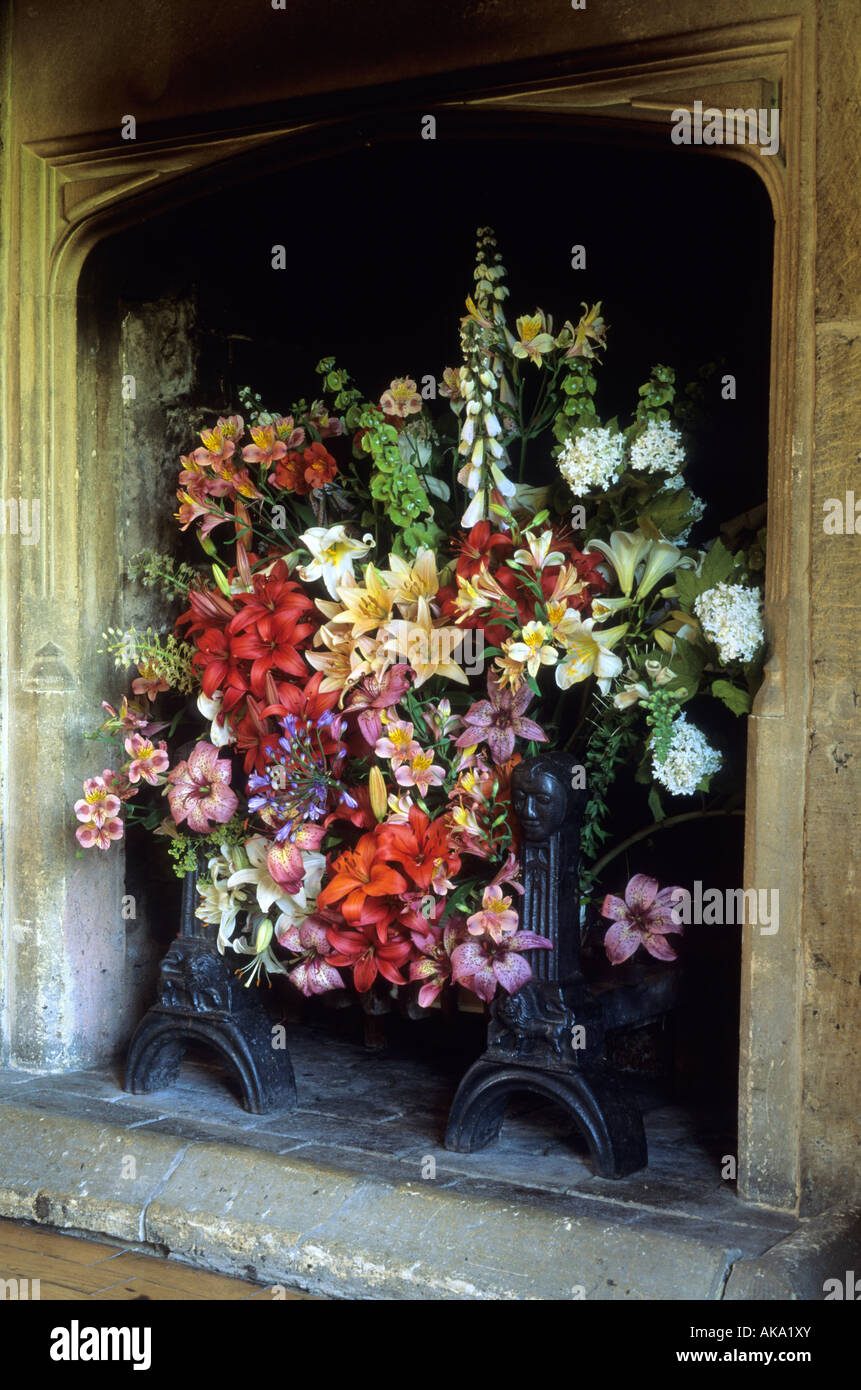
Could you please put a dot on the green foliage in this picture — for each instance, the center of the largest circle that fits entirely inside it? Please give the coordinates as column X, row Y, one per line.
column 190, row 851
column 162, row 572
column 612, row 739
column 736, row 699
column 339, row 384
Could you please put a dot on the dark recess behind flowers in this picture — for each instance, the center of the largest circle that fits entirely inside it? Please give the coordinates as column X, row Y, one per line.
column 380, row 245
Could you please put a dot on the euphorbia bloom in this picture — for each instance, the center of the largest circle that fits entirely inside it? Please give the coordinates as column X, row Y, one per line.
column 644, row 918
column 200, row 791
column 359, row 874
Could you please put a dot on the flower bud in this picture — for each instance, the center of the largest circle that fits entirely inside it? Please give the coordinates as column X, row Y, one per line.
column 377, row 790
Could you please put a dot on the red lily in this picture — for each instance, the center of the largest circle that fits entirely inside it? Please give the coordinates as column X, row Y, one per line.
column 421, row 847
column 359, row 947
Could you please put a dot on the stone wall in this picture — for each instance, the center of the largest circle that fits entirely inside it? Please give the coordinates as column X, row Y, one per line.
column 69, row 180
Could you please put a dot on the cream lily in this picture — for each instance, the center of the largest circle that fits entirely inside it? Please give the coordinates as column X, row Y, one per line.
column 625, row 551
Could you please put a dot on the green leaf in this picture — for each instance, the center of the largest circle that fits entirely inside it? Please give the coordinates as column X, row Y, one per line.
column 690, row 586
column 655, row 806
column 734, row 698
column 718, row 565
column 687, row 667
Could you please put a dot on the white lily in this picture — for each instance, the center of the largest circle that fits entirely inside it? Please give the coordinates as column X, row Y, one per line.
column 663, row 557
column 625, row 551
column 220, row 733
column 332, row 555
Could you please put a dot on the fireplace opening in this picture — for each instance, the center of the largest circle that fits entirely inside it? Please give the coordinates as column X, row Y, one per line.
column 185, row 307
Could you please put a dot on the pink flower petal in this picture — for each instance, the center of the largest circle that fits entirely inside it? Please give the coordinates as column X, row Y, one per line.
column 621, row 941
column 641, row 891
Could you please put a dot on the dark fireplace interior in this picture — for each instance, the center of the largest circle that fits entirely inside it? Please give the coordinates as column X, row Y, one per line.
column 379, row 242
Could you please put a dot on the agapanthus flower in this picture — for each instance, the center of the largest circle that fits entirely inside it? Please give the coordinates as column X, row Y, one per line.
column 731, row 616
column 498, row 720
column 200, row 791
column 690, row 758
column 644, row 918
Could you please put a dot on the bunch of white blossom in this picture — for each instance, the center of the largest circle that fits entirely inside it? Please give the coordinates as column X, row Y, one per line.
column 658, row 449
column 592, row 460
column 731, row 616
column 689, row 759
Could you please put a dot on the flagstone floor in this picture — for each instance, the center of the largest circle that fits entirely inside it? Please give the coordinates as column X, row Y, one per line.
column 235, row 1192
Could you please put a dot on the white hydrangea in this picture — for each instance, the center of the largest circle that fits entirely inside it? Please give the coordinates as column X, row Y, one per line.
column 658, row 449
column 731, row 616
column 592, row 461
column 689, row 759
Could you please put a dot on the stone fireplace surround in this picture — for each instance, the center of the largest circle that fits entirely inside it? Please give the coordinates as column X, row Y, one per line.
column 69, row 180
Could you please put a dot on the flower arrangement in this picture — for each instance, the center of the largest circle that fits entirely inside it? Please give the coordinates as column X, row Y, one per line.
column 385, row 622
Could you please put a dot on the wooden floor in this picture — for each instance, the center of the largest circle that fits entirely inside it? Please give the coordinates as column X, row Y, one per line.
column 71, row 1269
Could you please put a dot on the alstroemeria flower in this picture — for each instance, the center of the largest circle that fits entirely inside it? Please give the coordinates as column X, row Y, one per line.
column 481, row 964
column 644, row 918
column 147, row 761
column 496, row 918
column 149, row 682
column 98, row 803
column 420, row 771
column 266, row 449
column 531, row 649
column 320, row 467
column 401, row 398
column 200, row 791
column 398, row 743
column 332, row 555
column 533, row 339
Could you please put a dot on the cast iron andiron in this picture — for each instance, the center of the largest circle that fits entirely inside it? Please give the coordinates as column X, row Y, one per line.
column 199, row 1000
column 549, row 1036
